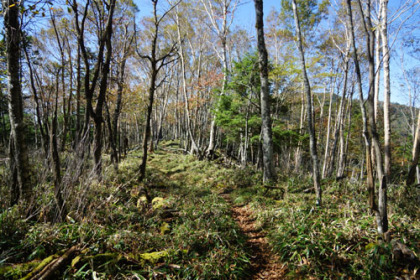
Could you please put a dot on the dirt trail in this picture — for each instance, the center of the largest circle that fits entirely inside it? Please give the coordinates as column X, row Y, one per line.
column 264, row 264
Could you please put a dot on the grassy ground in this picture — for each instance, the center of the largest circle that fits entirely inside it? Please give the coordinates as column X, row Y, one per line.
column 339, row 240
column 188, row 232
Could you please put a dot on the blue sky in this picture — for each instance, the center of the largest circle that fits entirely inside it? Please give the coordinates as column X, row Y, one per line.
column 245, row 14
column 245, row 18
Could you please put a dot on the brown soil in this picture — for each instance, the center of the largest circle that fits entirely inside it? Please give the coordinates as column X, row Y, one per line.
column 264, row 263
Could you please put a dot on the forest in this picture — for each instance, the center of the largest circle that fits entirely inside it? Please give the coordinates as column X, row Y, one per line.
column 181, row 139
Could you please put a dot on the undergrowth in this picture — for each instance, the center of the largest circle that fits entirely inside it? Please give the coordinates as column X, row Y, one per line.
column 187, row 231
column 339, row 240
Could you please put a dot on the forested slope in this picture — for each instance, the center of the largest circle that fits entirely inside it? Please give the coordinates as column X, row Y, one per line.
column 181, row 223
column 159, row 139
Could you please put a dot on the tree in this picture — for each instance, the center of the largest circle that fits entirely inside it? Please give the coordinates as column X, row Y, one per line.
column 311, row 125
column 387, row 86
column 239, row 113
column 157, row 61
column 221, row 27
column 101, row 70
column 194, row 147
column 369, row 126
column 269, row 174
column 21, row 186
column 121, row 53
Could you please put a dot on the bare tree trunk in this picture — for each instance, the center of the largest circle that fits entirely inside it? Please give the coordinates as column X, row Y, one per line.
column 156, row 64
column 56, row 157
column 416, row 154
column 378, row 73
column 345, row 142
column 147, row 128
column 244, row 158
column 311, row 125
column 21, row 186
column 60, row 44
column 327, row 156
column 101, row 70
column 162, row 116
column 298, row 154
column 39, row 117
column 338, row 133
column 78, row 90
column 194, row 148
column 387, row 87
column 222, row 31
column 267, row 146
column 68, row 111
column 120, row 87
column 321, row 113
column 98, row 114
column 366, row 136
column 370, row 136
column 382, row 213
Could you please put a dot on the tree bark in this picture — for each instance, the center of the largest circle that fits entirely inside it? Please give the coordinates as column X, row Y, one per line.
column 387, row 87
column 147, row 129
column 90, row 82
column 56, row 157
column 78, row 97
column 66, row 111
column 98, row 114
column 338, row 133
column 411, row 177
column 382, row 213
column 369, row 128
column 21, row 186
column 156, row 64
column 269, row 175
column 378, row 72
column 366, row 136
column 328, row 154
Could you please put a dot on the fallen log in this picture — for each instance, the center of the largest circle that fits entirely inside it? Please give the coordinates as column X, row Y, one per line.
column 49, row 271
column 40, row 266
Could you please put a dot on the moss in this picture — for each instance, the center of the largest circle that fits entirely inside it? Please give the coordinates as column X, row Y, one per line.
column 75, row 261
column 106, row 257
column 165, row 228
column 157, row 203
column 40, row 266
column 18, row 270
column 154, row 257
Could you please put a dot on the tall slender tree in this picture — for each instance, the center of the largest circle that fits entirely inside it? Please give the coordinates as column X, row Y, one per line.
column 387, row 86
column 220, row 22
column 100, row 72
column 21, row 186
column 269, row 174
column 369, row 125
column 156, row 61
column 309, row 110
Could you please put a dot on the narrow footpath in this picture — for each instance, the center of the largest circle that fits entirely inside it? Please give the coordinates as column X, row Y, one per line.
column 264, row 263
